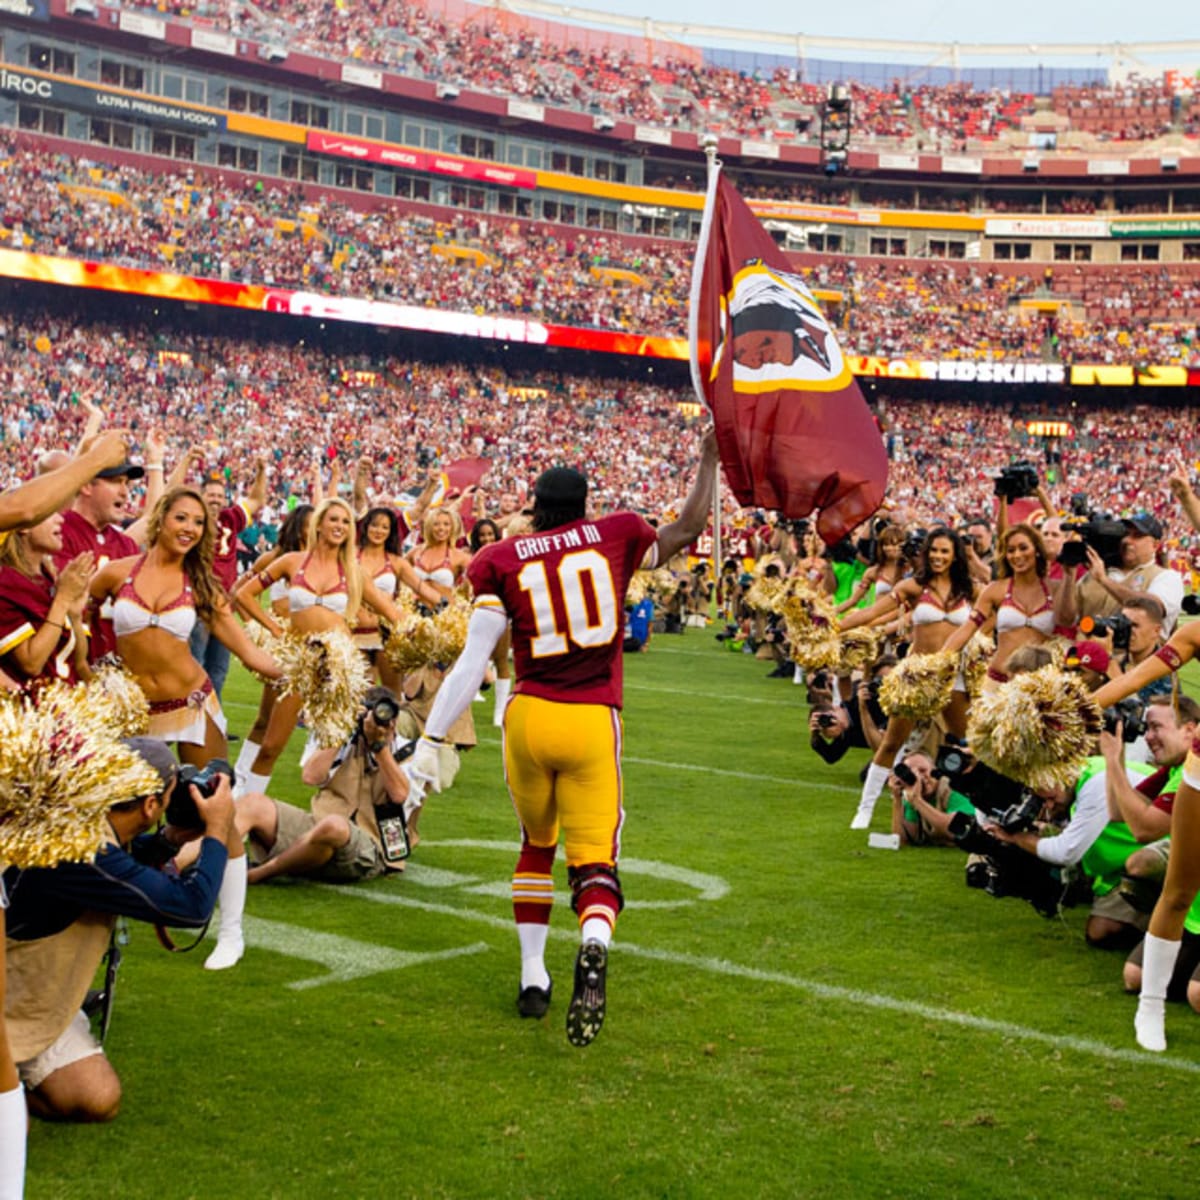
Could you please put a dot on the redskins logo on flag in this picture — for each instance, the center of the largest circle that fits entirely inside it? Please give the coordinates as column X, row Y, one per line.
column 793, row 429
column 780, row 336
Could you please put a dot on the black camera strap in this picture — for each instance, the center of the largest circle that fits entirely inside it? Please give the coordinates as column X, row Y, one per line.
column 168, row 943
column 98, row 1004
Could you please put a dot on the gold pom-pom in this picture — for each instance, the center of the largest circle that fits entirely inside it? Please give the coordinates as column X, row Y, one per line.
column 976, row 655
column 421, row 641
column 59, row 775
column 450, row 630
column 660, row 584
column 329, row 673
column 859, row 649
column 1038, row 728
column 664, row 583
column 118, row 688
column 769, row 589
column 812, row 628
column 920, row 686
column 410, row 646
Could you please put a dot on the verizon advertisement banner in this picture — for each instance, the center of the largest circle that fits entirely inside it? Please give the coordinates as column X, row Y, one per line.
column 418, row 160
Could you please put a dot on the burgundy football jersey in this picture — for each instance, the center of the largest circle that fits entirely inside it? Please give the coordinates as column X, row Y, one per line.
column 79, row 535
column 564, row 592
column 24, row 606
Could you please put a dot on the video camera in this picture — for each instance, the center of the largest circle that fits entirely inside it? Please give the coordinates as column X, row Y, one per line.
column 1103, row 532
column 181, row 808
column 1016, row 480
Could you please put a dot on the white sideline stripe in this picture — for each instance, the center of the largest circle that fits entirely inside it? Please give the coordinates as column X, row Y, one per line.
column 343, row 958
column 822, row 991
column 679, row 766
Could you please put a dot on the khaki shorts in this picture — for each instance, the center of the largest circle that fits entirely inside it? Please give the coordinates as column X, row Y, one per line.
column 1115, row 907
column 359, row 858
column 74, row 1043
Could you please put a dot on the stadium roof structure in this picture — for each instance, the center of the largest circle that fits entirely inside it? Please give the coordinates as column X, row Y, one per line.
column 799, row 45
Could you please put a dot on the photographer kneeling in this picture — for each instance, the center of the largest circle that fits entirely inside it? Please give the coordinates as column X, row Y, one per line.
column 60, row 923
column 355, row 829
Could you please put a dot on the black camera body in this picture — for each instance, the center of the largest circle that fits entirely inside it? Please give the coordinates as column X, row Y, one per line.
column 987, row 789
column 181, row 808
column 1131, row 714
column 1191, row 604
column 1119, row 625
column 826, row 720
column 1016, row 480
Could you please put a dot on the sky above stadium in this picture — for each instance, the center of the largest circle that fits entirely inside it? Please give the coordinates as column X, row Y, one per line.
column 1033, row 22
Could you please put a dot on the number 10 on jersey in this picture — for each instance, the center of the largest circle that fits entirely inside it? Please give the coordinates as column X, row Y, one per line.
column 577, row 575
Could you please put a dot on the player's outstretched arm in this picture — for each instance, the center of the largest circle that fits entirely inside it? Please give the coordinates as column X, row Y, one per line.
column 458, row 689
column 694, row 516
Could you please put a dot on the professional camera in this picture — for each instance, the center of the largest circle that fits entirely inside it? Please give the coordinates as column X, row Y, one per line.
column 1102, row 532
column 1016, row 480
column 1119, row 625
column 181, row 808
column 913, row 541
column 384, row 710
column 1191, row 604
column 989, row 791
column 1004, row 870
column 826, row 720
column 1131, row 714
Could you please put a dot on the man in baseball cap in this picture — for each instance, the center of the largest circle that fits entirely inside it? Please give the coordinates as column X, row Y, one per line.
column 1091, row 660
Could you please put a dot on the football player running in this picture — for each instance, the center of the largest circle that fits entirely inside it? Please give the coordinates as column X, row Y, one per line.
column 563, row 587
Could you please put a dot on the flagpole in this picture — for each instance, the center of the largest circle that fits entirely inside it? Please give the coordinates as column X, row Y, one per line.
column 710, row 154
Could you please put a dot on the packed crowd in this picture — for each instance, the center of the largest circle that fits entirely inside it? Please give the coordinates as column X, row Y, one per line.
column 343, row 407
column 1135, row 110
column 507, row 55
column 334, row 449
column 282, row 236
column 242, row 393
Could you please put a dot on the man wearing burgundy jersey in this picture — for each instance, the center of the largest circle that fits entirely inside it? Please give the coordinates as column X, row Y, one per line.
column 93, row 524
column 562, row 587
column 229, row 522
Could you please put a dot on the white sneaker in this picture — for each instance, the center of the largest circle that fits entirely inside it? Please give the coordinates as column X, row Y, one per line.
column 1149, row 1025
column 227, row 953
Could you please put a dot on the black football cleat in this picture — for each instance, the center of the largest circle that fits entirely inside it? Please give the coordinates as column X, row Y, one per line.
column 534, row 1001
column 585, row 1014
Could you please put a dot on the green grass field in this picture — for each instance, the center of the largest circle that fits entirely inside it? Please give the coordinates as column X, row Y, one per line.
column 790, row 1014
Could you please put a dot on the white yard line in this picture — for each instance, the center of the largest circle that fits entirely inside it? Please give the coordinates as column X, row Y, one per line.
column 822, row 991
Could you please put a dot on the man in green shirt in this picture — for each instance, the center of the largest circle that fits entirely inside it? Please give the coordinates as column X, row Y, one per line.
column 922, row 803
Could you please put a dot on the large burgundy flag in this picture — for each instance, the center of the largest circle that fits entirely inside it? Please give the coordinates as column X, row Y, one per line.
column 793, row 429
